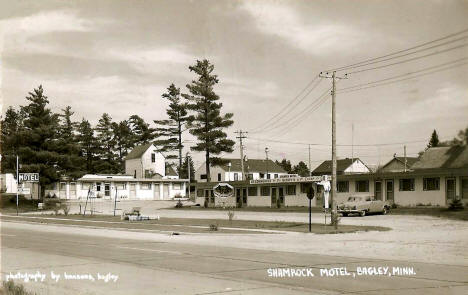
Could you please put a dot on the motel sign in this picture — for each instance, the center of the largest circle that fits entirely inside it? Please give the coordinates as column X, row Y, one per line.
column 28, row 177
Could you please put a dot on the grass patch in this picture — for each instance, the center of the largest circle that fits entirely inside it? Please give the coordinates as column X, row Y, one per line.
column 11, row 288
column 297, row 209
column 432, row 211
column 197, row 225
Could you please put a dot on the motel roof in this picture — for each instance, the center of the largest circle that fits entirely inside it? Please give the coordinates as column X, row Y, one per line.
column 453, row 157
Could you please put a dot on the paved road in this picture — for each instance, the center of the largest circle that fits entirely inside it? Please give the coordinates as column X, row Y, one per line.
column 164, row 267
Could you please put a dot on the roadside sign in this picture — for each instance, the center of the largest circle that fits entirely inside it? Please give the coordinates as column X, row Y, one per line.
column 28, row 177
column 24, row 190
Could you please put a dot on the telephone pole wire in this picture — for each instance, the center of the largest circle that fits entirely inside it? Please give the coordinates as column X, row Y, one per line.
column 242, row 135
column 333, row 186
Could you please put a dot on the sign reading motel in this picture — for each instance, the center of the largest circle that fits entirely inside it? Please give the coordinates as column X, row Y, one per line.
column 28, row 177
column 292, row 179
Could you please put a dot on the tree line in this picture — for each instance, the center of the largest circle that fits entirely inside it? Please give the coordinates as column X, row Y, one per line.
column 55, row 145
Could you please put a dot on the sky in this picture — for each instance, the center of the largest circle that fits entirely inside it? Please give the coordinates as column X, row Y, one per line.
column 119, row 57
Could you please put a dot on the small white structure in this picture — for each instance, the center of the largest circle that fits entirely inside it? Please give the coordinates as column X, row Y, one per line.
column 8, row 183
column 231, row 170
column 145, row 161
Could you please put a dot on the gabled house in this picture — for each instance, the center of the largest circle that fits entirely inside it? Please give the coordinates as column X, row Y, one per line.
column 343, row 166
column 231, row 170
column 397, row 164
column 145, row 161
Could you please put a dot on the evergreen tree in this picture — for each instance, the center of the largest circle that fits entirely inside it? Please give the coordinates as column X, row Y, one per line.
column 123, row 141
column 171, row 129
column 207, row 124
column 142, row 132
column 88, row 145
column 183, row 170
column 285, row 164
column 301, row 169
column 38, row 151
column 11, row 127
column 106, row 143
column 68, row 147
column 434, row 141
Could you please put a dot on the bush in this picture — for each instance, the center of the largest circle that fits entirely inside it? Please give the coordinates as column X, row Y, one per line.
column 394, row 206
column 179, row 204
column 335, row 219
column 213, row 227
column 11, row 289
column 66, row 209
column 230, row 215
column 456, row 205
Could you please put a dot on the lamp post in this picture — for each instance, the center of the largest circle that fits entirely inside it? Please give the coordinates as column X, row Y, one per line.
column 188, row 172
column 266, row 153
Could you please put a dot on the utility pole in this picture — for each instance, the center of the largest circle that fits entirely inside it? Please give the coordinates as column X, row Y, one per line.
column 241, row 148
column 404, row 148
column 188, row 172
column 17, row 183
column 266, row 153
column 333, row 186
column 352, row 145
column 310, row 168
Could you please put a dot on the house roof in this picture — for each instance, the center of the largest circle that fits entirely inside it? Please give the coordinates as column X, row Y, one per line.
column 443, row 157
column 341, row 165
column 170, row 171
column 409, row 161
column 138, row 151
column 252, row 165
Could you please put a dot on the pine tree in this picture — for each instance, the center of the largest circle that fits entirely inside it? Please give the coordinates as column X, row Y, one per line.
column 434, row 141
column 183, row 171
column 88, row 145
column 207, row 123
column 171, row 130
column 38, row 151
column 12, row 126
column 286, row 165
column 68, row 147
column 301, row 169
column 123, row 141
column 142, row 132
column 105, row 139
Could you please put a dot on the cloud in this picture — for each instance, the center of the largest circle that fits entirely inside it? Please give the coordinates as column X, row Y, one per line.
column 283, row 21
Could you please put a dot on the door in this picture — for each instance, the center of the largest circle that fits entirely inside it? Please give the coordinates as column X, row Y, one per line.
column 72, row 190
column 274, row 191
column 244, row 196
column 63, row 190
column 464, row 189
column 238, row 198
column 450, row 185
column 166, row 191
column 281, row 195
column 157, row 191
column 132, row 190
column 378, row 190
column 389, row 190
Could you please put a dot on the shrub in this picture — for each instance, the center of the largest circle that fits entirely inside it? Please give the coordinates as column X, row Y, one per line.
column 278, row 203
column 213, row 227
column 456, row 205
column 230, row 215
column 66, row 209
column 205, row 204
column 179, row 204
column 11, row 289
column 394, row 206
column 335, row 219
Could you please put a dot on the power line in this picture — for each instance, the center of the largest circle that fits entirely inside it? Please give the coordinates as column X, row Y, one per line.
column 400, row 51
column 377, row 84
column 410, row 59
column 292, row 101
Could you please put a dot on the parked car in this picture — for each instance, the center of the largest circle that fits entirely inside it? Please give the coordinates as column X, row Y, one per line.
column 363, row 205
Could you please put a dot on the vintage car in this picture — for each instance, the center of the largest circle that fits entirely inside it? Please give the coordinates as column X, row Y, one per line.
column 363, row 205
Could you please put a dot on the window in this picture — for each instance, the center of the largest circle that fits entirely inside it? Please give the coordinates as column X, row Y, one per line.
column 200, row 193
column 250, row 176
column 120, row 185
column 202, row 176
column 276, row 176
column 145, row 185
column 63, row 186
column 268, row 175
column 431, row 184
column 85, row 185
column 153, row 158
column 98, row 187
column 362, row 186
column 407, row 184
column 176, row 185
column 265, row 190
column 219, row 176
column 343, row 186
column 147, row 173
column 252, row 191
column 262, row 175
column 236, row 177
column 291, row 190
